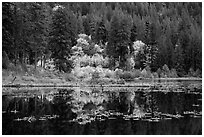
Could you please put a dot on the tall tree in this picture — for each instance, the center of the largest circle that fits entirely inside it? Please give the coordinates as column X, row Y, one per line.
column 101, row 32
column 151, row 46
column 119, row 37
column 62, row 37
column 7, row 29
column 112, row 40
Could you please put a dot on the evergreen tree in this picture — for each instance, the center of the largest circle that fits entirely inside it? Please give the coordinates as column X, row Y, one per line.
column 7, row 30
column 119, row 37
column 25, row 29
column 101, row 32
column 179, row 61
column 36, row 30
column 133, row 33
column 86, row 25
column 61, row 38
column 151, row 46
column 80, row 26
column 111, row 49
column 123, row 43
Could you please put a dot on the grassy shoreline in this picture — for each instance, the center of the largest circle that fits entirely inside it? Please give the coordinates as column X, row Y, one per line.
column 45, row 78
column 135, row 83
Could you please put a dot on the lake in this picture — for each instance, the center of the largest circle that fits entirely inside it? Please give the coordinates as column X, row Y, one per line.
column 165, row 108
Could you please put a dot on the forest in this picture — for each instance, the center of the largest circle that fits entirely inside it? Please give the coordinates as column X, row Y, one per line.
column 104, row 39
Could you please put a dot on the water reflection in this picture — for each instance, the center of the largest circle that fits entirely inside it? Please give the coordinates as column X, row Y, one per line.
column 91, row 111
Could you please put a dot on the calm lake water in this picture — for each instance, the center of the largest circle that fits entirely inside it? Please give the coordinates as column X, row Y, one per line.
column 166, row 108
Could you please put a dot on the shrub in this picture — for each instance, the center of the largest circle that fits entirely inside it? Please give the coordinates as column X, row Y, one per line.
column 191, row 72
column 83, row 72
column 69, row 77
column 81, row 42
column 5, row 61
column 138, row 46
column 126, row 75
column 105, row 63
column 109, row 74
column 159, row 72
column 95, row 75
column 84, row 61
column 173, row 73
column 120, row 81
column 155, row 75
column 97, row 60
column 118, row 72
column 130, row 63
column 148, row 69
column 146, row 74
column 198, row 73
column 165, row 70
column 181, row 72
column 162, row 75
column 136, row 73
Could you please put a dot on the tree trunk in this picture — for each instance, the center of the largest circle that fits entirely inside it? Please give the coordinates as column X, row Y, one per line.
column 15, row 57
column 35, row 59
column 42, row 61
column 15, row 35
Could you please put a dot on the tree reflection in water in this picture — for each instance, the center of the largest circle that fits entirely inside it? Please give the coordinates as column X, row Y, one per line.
column 90, row 111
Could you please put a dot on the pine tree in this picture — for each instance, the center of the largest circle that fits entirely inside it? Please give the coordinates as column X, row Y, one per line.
column 36, row 30
column 151, row 46
column 7, row 30
column 61, row 38
column 123, row 43
column 101, row 32
column 80, row 26
column 179, row 60
column 119, row 37
column 86, row 25
column 133, row 33
column 111, row 49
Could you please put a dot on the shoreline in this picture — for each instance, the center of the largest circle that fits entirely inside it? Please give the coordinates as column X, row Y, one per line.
column 135, row 83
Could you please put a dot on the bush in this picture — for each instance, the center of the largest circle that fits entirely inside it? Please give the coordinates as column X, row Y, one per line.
column 191, row 72
column 165, row 70
column 126, row 75
column 162, row 75
column 5, row 61
column 136, row 73
column 173, row 73
column 105, row 63
column 181, row 72
column 130, row 63
column 148, row 69
column 69, row 77
column 120, row 81
column 118, row 72
column 83, row 72
column 155, row 75
column 146, row 74
column 198, row 73
column 159, row 72
column 97, row 60
column 95, row 75
column 109, row 74
column 84, row 61
column 103, row 81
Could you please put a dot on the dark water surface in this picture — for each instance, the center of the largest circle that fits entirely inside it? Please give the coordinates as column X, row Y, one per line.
column 166, row 108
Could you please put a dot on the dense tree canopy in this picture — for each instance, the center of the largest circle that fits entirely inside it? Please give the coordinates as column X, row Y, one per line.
column 172, row 32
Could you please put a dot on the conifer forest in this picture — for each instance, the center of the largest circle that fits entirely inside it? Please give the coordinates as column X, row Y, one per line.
column 101, row 68
column 127, row 36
